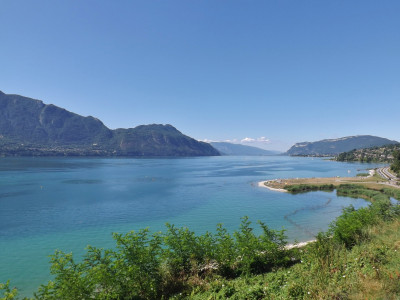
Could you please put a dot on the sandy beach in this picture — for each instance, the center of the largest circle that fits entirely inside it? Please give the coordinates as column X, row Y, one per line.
column 263, row 184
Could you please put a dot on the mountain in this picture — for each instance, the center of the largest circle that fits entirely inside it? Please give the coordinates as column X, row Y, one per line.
column 336, row 146
column 382, row 154
column 159, row 140
column 30, row 127
column 236, row 149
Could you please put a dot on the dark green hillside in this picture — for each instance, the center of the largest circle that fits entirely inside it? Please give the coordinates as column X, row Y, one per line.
column 30, row 127
column 31, row 121
column 335, row 146
column 159, row 140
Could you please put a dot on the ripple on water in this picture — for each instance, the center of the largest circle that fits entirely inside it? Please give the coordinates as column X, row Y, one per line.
column 68, row 203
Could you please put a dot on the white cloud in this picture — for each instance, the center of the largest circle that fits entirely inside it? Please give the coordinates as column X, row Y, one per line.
column 247, row 140
column 207, row 141
column 231, row 141
column 262, row 139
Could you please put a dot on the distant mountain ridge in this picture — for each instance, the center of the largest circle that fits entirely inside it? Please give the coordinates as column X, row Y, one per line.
column 236, row 149
column 331, row 147
column 30, row 127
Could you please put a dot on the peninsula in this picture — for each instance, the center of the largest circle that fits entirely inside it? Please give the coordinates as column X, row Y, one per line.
column 376, row 180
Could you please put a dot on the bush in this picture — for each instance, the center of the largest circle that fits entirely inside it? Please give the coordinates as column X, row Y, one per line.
column 303, row 188
column 6, row 293
column 362, row 175
column 163, row 265
column 349, row 227
column 151, row 266
column 259, row 254
column 130, row 271
column 395, row 193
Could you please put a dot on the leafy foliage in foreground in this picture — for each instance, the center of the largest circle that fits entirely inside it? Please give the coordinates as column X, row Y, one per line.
column 359, row 257
column 152, row 266
column 327, row 270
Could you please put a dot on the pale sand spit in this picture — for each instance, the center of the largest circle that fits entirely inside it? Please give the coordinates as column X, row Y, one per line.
column 299, row 245
column 262, row 184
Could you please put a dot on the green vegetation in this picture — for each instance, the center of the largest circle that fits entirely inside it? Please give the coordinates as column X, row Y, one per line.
column 396, row 162
column 302, row 188
column 362, row 175
column 381, row 154
column 31, row 128
column 358, row 257
column 7, row 292
column 152, row 266
column 327, row 270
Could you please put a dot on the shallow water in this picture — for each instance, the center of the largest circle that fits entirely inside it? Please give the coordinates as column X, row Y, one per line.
column 68, row 203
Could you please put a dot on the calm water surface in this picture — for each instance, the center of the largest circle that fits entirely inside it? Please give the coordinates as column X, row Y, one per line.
column 68, row 203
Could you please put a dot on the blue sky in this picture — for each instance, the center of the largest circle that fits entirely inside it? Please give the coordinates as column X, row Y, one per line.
column 278, row 72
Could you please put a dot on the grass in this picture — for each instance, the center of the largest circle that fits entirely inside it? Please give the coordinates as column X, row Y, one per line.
column 358, row 258
column 372, row 182
column 362, row 175
column 369, row 270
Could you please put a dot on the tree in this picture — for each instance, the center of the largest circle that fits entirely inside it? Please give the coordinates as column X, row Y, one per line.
column 396, row 162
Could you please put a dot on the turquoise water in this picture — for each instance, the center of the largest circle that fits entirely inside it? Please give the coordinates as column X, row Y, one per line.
column 69, row 203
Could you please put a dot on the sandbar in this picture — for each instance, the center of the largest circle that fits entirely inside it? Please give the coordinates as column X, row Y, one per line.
column 264, row 185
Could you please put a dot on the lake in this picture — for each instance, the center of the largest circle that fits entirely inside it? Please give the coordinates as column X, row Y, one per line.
column 69, row 203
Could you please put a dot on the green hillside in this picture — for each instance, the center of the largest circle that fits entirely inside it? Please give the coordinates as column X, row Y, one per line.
column 30, row 127
column 383, row 154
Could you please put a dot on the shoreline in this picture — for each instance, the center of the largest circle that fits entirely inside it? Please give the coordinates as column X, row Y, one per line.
column 278, row 185
column 292, row 245
column 299, row 245
column 264, row 185
column 371, row 181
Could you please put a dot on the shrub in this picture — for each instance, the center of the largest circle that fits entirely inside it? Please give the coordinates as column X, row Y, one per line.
column 225, row 252
column 137, row 264
column 151, row 266
column 362, row 175
column 6, row 293
column 303, row 188
column 259, row 254
column 349, row 227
